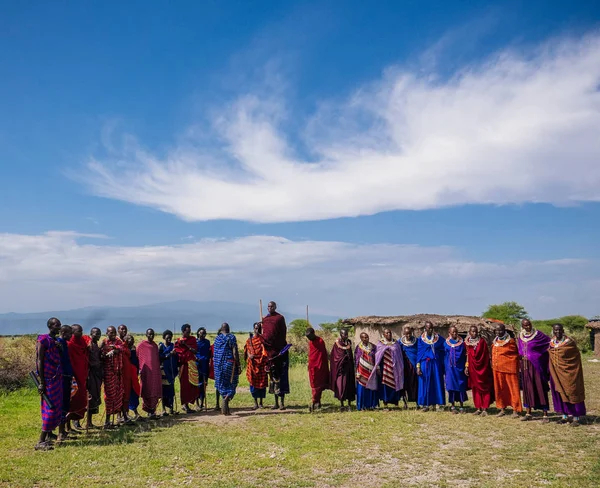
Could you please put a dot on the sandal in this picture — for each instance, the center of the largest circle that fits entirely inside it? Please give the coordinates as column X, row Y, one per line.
column 43, row 446
column 526, row 417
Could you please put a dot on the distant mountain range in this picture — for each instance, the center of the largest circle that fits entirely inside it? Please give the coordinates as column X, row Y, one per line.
column 159, row 316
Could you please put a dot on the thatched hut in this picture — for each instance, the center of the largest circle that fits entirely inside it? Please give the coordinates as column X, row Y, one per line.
column 594, row 328
column 374, row 325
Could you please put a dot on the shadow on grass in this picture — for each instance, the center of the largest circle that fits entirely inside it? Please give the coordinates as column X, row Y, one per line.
column 140, row 431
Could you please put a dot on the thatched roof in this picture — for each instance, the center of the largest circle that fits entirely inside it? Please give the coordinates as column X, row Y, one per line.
column 593, row 324
column 462, row 322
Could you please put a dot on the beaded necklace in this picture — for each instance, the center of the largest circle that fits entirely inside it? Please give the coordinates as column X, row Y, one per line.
column 527, row 337
column 502, row 341
column 342, row 346
column 459, row 341
column 557, row 343
column 385, row 342
column 410, row 343
column 367, row 349
column 426, row 340
column 472, row 342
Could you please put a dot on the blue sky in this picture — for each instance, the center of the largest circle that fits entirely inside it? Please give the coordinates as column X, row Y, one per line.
column 390, row 157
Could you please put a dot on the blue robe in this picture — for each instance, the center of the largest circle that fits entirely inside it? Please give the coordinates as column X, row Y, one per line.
column 169, row 370
column 203, row 361
column 226, row 369
column 455, row 362
column 431, row 382
column 67, row 376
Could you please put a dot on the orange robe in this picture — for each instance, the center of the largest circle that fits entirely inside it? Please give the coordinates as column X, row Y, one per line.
column 505, row 364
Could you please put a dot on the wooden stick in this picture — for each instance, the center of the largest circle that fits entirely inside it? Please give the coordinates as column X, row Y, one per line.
column 307, row 322
column 260, row 309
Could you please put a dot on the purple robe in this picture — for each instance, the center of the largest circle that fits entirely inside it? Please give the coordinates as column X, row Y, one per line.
column 535, row 371
column 397, row 362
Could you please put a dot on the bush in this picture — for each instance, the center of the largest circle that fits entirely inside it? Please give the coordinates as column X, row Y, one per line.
column 582, row 338
column 17, row 359
column 573, row 322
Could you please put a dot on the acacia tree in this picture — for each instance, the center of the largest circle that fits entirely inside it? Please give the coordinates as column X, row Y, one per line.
column 508, row 312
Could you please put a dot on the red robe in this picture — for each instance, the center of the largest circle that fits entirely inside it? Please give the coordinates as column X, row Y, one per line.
column 480, row 379
column 113, row 375
column 150, row 375
column 274, row 334
column 318, row 368
column 188, row 392
column 80, row 360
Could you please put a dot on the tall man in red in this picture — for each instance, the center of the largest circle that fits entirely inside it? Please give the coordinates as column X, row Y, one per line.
column 274, row 332
column 80, row 360
column 318, row 367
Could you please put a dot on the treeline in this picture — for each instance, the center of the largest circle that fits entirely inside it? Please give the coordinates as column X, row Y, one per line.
column 512, row 313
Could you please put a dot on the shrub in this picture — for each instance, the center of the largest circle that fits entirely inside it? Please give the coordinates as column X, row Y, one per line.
column 17, row 359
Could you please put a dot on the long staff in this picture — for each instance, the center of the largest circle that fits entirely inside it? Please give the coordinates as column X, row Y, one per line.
column 307, row 322
column 260, row 309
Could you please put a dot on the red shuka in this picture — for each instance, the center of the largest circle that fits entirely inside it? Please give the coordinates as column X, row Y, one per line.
column 274, row 334
column 150, row 375
column 80, row 360
column 318, row 365
column 481, row 379
column 188, row 392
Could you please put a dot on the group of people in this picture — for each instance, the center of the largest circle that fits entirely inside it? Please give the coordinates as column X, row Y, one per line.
column 74, row 368
column 422, row 369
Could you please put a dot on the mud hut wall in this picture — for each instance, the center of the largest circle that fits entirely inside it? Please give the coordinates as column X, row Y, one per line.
column 596, row 341
column 376, row 332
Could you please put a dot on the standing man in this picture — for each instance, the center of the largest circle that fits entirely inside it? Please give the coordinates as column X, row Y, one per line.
column 479, row 371
column 455, row 364
column 274, row 339
column 318, row 367
column 95, row 375
column 80, row 361
column 408, row 343
column 389, row 370
column 566, row 377
column 505, row 367
column 126, row 376
column 150, row 377
column 343, row 381
column 227, row 366
column 134, row 375
column 256, row 366
column 169, row 370
column 50, row 386
column 63, row 345
column 430, row 368
column 533, row 349
column 365, row 363
column 111, row 351
column 185, row 347
column 203, row 356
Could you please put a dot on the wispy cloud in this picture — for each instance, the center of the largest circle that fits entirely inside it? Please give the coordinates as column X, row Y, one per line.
column 519, row 127
column 58, row 270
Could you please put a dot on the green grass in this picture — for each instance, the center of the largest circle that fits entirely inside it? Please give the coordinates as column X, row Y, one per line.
column 297, row 448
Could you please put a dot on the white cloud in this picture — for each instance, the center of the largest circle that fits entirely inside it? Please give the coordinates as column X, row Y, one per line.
column 60, row 270
column 519, row 127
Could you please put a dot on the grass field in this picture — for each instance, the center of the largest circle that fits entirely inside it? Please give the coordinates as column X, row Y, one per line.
column 296, row 448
